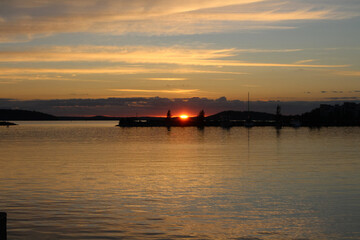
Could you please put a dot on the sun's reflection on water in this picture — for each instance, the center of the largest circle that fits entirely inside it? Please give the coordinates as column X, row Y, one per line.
column 101, row 182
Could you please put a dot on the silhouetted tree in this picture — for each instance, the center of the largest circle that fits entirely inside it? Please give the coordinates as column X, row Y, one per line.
column 168, row 119
column 168, row 115
column 201, row 118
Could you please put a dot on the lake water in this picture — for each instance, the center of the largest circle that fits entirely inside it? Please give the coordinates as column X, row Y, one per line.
column 92, row 180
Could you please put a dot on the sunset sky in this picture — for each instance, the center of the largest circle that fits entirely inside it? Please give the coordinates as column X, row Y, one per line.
column 294, row 50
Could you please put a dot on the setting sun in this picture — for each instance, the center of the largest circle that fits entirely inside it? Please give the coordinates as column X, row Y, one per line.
column 184, row 116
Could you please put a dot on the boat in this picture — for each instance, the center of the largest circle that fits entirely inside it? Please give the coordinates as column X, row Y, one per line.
column 295, row 123
column 249, row 122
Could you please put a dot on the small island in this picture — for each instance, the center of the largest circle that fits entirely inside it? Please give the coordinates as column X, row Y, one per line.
column 4, row 123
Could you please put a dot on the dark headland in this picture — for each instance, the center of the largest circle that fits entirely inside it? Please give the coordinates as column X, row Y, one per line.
column 5, row 123
column 347, row 114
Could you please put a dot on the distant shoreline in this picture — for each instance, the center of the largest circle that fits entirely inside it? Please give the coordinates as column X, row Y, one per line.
column 347, row 114
column 5, row 123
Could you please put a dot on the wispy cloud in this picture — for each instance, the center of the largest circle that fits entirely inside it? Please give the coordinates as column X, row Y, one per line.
column 7, row 72
column 74, row 70
column 34, row 18
column 8, row 82
column 252, row 50
column 305, row 61
column 266, row 16
column 167, row 79
column 143, row 55
column 181, row 91
column 23, row 19
column 349, row 73
column 13, row 79
column 129, row 54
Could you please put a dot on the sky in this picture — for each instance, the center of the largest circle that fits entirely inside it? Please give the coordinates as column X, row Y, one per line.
column 292, row 51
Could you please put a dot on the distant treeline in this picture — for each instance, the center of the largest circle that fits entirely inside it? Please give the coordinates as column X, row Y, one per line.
column 347, row 114
column 24, row 115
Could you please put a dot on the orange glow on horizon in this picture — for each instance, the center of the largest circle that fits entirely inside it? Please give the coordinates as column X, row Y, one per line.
column 184, row 116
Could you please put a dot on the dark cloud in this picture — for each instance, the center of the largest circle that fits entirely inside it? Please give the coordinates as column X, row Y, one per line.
column 156, row 106
column 344, row 98
column 336, row 91
column 6, row 99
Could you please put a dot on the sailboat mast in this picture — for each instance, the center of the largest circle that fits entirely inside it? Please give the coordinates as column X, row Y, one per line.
column 249, row 123
column 248, row 102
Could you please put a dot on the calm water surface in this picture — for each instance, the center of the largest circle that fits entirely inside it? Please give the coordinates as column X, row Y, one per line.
column 91, row 180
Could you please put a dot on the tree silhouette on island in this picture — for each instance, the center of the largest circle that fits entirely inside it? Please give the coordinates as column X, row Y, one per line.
column 347, row 114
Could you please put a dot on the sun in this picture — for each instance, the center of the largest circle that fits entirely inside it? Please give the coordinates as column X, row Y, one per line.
column 184, row 116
